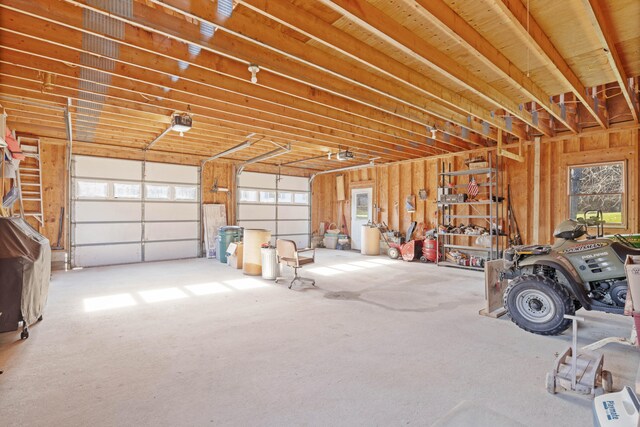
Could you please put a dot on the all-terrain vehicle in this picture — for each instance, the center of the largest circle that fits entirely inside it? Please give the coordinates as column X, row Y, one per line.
column 551, row 281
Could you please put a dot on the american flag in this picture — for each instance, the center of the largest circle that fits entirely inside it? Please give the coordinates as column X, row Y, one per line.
column 472, row 188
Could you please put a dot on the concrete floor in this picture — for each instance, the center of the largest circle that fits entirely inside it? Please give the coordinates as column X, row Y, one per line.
column 189, row 343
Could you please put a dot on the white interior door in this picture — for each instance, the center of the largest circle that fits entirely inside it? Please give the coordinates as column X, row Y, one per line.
column 361, row 213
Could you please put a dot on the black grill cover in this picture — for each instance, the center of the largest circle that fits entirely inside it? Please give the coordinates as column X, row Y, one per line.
column 25, row 269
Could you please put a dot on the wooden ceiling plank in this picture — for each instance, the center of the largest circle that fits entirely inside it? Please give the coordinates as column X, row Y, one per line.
column 149, row 18
column 247, row 29
column 299, row 19
column 603, row 27
column 446, row 19
column 279, row 131
column 182, row 98
column 122, row 112
column 172, row 49
column 202, row 98
column 377, row 22
column 517, row 14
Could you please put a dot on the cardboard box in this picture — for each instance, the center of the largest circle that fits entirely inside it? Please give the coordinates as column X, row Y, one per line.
column 234, row 255
column 632, row 268
column 478, row 165
column 453, row 198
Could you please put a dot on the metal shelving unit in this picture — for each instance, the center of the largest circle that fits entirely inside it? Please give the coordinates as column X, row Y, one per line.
column 488, row 210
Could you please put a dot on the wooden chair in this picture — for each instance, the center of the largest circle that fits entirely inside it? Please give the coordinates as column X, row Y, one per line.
column 288, row 254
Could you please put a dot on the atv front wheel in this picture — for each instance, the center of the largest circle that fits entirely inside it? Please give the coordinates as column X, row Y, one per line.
column 538, row 304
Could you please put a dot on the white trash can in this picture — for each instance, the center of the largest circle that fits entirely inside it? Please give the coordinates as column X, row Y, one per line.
column 269, row 263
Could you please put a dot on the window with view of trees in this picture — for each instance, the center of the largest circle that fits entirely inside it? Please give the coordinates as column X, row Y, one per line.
column 597, row 187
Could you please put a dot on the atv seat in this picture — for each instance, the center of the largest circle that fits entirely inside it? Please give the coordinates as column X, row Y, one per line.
column 623, row 250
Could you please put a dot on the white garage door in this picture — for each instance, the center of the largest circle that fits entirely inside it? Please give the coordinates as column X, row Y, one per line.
column 126, row 211
column 280, row 205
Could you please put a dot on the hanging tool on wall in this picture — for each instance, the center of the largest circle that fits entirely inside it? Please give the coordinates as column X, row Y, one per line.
column 514, row 239
column 345, row 229
column 58, row 245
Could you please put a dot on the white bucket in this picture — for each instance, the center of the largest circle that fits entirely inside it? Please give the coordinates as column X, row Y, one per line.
column 330, row 241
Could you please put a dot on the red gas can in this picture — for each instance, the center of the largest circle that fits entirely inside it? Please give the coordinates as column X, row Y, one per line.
column 429, row 250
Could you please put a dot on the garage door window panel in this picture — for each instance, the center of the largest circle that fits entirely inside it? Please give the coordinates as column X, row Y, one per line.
column 92, row 189
column 157, row 192
column 249, row 196
column 126, row 190
column 285, row 197
column 598, row 187
column 301, row 198
column 267, row 197
column 186, row 193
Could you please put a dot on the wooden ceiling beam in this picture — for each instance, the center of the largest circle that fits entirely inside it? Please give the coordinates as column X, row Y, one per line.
column 446, row 19
column 179, row 52
column 35, row 95
column 118, row 120
column 203, row 95
column 308, row 24
column 377, row 22
column 277, row 132
column 378, row 95
column 183, row 99
column 123, row 138
column 119, row 123
column 126, row 70
column 516, row 13
column 268, row 42
column 605, row 31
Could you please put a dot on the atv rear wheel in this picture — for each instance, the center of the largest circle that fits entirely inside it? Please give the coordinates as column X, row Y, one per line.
column 538, row 304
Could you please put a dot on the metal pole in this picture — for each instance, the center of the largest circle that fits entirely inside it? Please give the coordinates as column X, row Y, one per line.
column 574, row 348
column 69, row 129
column 200, row 194
column 142, row 201
column 347, row 168
column 157, row 138
column 574, row 351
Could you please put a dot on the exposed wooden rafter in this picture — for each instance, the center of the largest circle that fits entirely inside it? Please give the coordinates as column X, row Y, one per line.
column 517, row 14
column 378, row 23
column 449, row 22
column 393, row 80
column 244, row 48
column 605, row 31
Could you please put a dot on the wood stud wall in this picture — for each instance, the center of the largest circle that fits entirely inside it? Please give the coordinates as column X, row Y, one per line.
column 393, row 183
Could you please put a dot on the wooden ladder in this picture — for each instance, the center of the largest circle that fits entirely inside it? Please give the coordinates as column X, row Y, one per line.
column 30, row 179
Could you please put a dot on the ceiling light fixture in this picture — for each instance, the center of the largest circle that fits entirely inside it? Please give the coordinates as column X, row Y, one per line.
column 433, row 131
column 254, row 69
column 181, row 122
